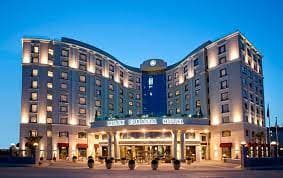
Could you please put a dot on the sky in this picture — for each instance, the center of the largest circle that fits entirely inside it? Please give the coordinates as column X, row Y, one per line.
column 134, row 31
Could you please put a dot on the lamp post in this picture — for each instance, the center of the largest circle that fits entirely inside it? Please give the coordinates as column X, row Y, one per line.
column 274, row 148
column 243, row 154
column 36, row 153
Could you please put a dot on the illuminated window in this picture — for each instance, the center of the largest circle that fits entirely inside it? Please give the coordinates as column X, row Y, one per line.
column 49, row 108
column 49, row 85
column 82, row 78
column 98, row 82
column 130, row 112
column 49, row 120
column 34, row 84
column 49, row 96
column 33, row 133
column 63, row 109
column 64, row 75
column 50, row 52
column 98, row 103
column 63, row 134
column 150, row 82
column 33, row 108
column 63, row 120
column 178, row 110
column 34, row 72
column 35, row 49
column 197, row 83
column 82, row 101
column 82, row 111
column 177, row 93
column 33, row 119
column 64, row 86
column 224, row 96
column 223, row 72
column 63, row 98
column 49, row 133
column 82, row 89
column 130, row 103
column 110, row 96
column 33, row 96
column 50, row 74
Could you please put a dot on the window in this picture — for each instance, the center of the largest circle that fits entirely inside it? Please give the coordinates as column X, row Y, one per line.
column 63, row 134
column 63, row 109
column 98, row 62
column 177, row 93
column 49, row 108
column 247, row 133
column 196, row 62
column 63, row 120
column 130, row 103
column 35, row 49
column 178, row 110
column 34, row 72
column 64, row 75
column 225, row 119
column 50, row 74
column 186, row 69
column 130, row 112
column 223, row 72
column 186, row 87
column 83, row 57
column 221, row 49
column 224, row 96
column 82, row 122
column 198, row 104
column 150, row 82
column 223, row 84
column 82, row 101
column 226, row 133
column 82, row 78
column 98, row 103
column 49, row 120
column 98, row 82
column 98, row 92
column 63, row 98
column 222, row 60
column 49, row 133
column 190, row 135
column 169, row 77
column 64, row 86
column 33, row 119
column 170, row 95
column 34, row 96
column 49, row 85
column 138, row 96
column 176, row 75
column 225, row 108
column 34, row 84
column 49, row 96
column 197, row 83
column 82, row 111
column 50, row 52
column 82, row 89
column 64, row 53
column 81, row 135
column 111, row 68
column 111, row 87
column 33, row 133
column 33, row 108
column 187, row 107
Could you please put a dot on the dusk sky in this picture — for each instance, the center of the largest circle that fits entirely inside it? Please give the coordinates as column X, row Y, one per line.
column 134, row 31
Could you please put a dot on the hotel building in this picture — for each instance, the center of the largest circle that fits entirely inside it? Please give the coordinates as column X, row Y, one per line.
column 83, row 101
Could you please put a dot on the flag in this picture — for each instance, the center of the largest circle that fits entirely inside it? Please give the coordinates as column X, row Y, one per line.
column 267, row 112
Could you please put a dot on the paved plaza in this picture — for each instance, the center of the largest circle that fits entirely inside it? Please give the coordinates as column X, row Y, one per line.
column 202, row 170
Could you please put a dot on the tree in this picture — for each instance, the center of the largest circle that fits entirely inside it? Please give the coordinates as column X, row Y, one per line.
column 31, row 143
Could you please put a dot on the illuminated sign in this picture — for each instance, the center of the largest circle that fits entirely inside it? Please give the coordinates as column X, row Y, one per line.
column 115, row 123
column 173, row 121
column 142, row 121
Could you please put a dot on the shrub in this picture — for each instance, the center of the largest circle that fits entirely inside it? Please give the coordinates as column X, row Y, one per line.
column 177, row 161
column 154, row 161
column 132, row 161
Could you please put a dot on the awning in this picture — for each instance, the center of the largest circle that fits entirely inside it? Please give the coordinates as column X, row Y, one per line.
column 225, row 144
column 81, row 145
column 63, row 144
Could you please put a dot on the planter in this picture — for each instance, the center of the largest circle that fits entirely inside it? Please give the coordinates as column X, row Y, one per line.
column 177, row 164
column 131, row 164
column 123, row 161
column 108, row 163
column 90, row 163
column 154, row 164
column 74, row 159
column 101, row 159
column 189, row 161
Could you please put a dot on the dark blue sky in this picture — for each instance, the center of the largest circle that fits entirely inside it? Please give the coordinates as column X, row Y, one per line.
column 134, row 31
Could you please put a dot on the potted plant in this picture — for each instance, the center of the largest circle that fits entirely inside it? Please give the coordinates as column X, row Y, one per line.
column 123, row 160
column 100, row 158
column 90, row 163
column 189, row 160
column 108, row 163
column 177, row 164
column 131, row 164
column 74, row 158
column 89, row 157
column 154, row 164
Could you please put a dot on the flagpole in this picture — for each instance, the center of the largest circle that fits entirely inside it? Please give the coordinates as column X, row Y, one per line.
column 277, row 139
column 269, row 138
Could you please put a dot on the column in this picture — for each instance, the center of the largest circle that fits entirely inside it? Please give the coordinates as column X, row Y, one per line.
column 115, row 146
column 198, row 153
column 182, row 145
column 109, row 144
column 175, row 142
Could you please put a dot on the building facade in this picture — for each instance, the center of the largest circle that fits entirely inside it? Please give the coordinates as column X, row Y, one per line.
column 83, row 101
